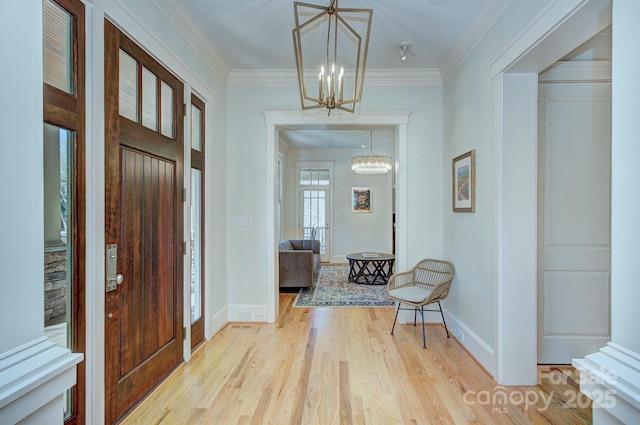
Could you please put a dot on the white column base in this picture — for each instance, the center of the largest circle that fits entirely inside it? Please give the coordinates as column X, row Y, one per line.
column 33, row 378
column 611, row 379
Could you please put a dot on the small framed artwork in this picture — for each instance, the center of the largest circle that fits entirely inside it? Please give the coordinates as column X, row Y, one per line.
column 464, row 182
column 360, row 199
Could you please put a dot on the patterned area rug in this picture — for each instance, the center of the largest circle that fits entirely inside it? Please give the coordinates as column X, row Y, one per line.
column 333, row 289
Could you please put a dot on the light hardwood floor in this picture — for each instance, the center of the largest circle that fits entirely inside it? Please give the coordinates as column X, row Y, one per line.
column 322, row 366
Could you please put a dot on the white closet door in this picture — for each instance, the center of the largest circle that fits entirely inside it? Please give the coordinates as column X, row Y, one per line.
column 574, row 216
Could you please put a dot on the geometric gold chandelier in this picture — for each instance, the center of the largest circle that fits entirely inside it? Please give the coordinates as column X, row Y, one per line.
column 371, row 164
column 333, row 42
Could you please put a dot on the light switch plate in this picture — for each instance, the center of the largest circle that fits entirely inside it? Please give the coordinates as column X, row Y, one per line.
column 244, row 220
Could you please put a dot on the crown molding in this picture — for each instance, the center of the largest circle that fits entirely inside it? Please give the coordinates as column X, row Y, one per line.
column 190, row 30
column 373, row 77
column 262, row 77
column 404, row 77
column 485, row 19
column 578, row 72
column 557, row 18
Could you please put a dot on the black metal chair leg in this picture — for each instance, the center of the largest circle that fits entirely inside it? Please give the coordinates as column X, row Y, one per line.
column 424, row 338
column 396, row 318
column 415, row 316
column 443, row 321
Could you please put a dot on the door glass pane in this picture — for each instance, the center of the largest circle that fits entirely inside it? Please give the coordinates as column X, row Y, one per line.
column 323, row 177
column 196, row 120
column 149, row 99
column 128, row 86
column 196, row 244
column 314, row 177
column 57, row 26
column 166, row 94
column 58, row 247
column 314, row 216
column 305, row 176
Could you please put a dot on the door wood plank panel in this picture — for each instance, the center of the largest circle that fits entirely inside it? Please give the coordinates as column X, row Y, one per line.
column 168, row 252
column 148, row 198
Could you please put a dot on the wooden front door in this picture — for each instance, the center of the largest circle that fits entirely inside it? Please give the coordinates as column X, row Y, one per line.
column 143, row 219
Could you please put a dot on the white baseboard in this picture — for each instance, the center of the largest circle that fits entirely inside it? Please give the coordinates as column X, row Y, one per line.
column 32, row 380
column 611, row 378
column 247, row 313
column 217, row 322
column 478, row 347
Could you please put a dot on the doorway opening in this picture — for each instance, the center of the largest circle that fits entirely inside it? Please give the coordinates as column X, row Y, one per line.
column 277, row 121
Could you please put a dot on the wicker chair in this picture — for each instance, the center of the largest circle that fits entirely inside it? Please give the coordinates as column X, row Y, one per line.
column 428, row 282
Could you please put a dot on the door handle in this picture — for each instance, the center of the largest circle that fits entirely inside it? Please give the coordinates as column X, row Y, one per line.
column 113, row 277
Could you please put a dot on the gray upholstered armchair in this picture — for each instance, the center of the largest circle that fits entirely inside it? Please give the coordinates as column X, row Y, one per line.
column 299, row 261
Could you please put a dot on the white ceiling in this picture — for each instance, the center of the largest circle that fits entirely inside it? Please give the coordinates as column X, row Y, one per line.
column 254, row 35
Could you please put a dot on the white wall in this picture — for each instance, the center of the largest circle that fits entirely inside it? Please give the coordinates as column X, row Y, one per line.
column 21, row 177
column 246, row 175
column 471, row 239
column 350, row 232
column 34, row 384
column 494, row 288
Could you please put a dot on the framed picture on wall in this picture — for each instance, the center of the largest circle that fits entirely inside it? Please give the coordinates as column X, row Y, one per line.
column 361, row 199
column 464, row 182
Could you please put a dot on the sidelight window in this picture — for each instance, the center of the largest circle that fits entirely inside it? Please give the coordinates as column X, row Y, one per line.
column 197, row 220
column 63, row 179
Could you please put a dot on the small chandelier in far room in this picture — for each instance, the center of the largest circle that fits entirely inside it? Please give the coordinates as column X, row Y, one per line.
column 336, row 73
column 371, row 164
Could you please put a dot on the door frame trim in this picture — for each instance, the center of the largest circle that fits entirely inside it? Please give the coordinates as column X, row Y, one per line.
column 560, row 27
column 137, row 30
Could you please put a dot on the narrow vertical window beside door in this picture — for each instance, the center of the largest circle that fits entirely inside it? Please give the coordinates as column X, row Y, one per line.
column 58, row 243
column 63, row 179
column 197, row 221
column 196, row 245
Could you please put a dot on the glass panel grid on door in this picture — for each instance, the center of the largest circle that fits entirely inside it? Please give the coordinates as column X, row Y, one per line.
column 314, row 206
